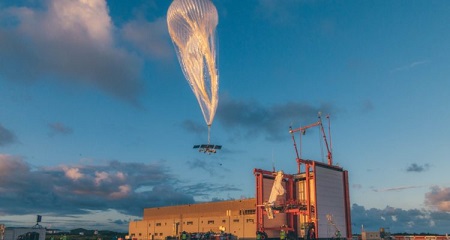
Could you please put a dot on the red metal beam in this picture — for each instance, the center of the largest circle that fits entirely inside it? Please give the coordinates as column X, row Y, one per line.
column 347, row 206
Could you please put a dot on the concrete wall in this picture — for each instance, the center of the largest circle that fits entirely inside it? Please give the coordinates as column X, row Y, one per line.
column 236, row 217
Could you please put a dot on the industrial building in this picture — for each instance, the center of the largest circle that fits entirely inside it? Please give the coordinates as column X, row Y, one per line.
column 237, row 217
column 8, row 233
column 312, row 203
column 37, row 232
column 328, row 214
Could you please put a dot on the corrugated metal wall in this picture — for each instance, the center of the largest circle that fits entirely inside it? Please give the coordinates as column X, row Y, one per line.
column 330, row 201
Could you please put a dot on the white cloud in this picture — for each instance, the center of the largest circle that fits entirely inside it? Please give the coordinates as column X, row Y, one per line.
column 121, row 176
column 85, row 18
column 150, row 38
column 82, row 20
column 71, row 41
column 72, row 173
column 9, row 164
column 101, row 177
column 438, row 198
column 124, row 190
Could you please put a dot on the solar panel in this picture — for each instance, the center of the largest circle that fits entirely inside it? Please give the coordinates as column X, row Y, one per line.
column 208, row 148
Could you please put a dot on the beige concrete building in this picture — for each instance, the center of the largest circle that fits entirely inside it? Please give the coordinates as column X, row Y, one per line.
column 237, row 217
column 370, row 235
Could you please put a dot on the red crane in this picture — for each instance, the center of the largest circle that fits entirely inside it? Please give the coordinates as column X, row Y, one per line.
column 302, row 130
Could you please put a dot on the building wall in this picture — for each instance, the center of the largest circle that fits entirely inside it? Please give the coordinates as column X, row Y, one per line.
column 327, row 199
column 14, row 233
column 236, row 217
column 330, row 195
column 370, row 236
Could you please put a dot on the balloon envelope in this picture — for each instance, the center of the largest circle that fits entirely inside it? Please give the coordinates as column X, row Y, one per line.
column 192, row 25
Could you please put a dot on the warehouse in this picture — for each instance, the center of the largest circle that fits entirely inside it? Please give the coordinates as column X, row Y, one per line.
column 236, row 217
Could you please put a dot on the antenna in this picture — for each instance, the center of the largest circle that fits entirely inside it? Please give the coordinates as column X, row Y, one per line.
column 273, row 162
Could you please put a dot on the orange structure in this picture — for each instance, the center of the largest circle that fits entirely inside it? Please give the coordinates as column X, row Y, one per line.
column 315, row 202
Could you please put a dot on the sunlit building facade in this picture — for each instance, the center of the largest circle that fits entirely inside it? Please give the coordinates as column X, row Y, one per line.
column 236, row 217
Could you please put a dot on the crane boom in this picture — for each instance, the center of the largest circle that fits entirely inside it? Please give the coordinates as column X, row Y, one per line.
column 303, row 131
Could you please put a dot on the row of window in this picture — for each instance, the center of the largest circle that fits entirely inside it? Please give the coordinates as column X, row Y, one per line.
column 241, row 212
column 191, row 223
column 156, row 234
column 209, row 222
column 247, row 212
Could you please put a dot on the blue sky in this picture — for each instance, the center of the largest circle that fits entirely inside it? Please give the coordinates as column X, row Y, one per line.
column 97, row 120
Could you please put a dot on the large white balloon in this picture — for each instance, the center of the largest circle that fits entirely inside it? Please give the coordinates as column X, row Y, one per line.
column 192, row 25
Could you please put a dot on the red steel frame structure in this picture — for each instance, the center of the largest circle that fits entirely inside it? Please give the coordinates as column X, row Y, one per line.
column 290, row 199
column 293, row 205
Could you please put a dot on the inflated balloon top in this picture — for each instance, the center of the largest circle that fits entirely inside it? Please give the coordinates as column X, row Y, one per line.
column 192, row 25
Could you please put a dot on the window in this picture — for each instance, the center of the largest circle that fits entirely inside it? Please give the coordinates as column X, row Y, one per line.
column 250, row 221
column 158, row 224
column 149, row 224
column 210, row 221
column 224, row 221
column 190, row 223
column 247, row 212
column 235, row 220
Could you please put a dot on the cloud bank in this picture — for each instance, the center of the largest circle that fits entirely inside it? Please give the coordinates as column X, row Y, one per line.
column 399, row 220
column 246, row 119
column 438, row 198
column 79, row 189
column 76, row 42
